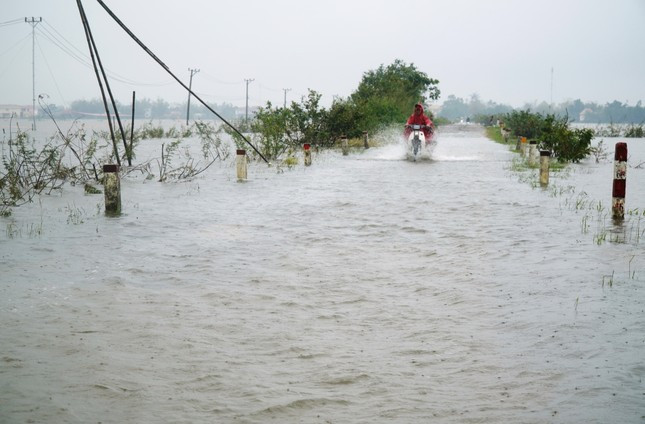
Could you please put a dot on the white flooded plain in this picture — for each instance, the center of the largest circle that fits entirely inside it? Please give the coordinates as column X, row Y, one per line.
column 362, row 289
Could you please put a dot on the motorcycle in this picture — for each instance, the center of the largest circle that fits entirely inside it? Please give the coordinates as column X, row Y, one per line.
column 417, row 144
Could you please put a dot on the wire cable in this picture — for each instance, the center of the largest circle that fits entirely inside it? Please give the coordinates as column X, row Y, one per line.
column 50, row 71
column 151, row 54
column 84, row 60
column 12, row 22
column 98, row 78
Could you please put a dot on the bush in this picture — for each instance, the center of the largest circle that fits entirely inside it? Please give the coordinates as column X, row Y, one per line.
column 553, row 133
column 565, row 144
column 524, row 123
column 634, row 131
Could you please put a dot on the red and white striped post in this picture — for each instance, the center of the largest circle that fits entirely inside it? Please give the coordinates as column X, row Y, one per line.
column 307, row 148
column 620, row 181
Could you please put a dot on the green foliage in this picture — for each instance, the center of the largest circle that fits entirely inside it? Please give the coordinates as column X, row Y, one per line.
column 90, row 189
column 495, row 134
column 566, row 145
column 635, row 131
column 553, row 133
column 167, row 154
column 277, row 129
column 343, row 118
column 307, row 121
column 386, row 95
column 212, row 149
column 524, row 123
column 150, row 131
column 26, row 171
column 274, row 133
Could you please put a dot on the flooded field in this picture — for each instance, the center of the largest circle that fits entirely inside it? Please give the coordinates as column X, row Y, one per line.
column 363, row 289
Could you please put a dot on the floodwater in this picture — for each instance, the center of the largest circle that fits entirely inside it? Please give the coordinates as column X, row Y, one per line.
column 362, row 289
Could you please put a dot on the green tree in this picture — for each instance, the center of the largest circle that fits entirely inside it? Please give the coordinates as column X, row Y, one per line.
column 342, row 118
column 524, row 123
column 388, row 93
column 307, row 121
column 567, row 145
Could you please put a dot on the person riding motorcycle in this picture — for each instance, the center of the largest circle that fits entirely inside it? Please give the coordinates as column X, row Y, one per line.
column 419, row 118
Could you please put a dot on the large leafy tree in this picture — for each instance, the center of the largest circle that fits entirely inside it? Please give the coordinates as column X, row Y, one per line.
column 388, row 93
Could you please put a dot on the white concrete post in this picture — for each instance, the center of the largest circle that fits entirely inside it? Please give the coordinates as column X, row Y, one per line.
column 533, row 154
column 241, row 165
column 112, row 189
column 545, row 156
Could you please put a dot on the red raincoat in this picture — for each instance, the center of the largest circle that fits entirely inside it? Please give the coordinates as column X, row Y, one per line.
column 419, row 118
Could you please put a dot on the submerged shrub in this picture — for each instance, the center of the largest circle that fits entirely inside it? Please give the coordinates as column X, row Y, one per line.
column 634, row 131
column 553, row 133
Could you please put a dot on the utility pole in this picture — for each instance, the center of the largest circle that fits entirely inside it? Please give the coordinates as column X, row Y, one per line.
column 246, row 115
column 285, row 96
column 190, row 88
column 33, row 23
column 551, row 105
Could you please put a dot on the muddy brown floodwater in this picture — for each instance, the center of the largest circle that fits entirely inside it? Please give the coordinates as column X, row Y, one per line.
column 363, row 289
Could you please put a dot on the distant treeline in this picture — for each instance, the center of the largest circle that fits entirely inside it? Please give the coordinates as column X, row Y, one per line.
column 144, row 109
column 452, row 109
column 455, row 108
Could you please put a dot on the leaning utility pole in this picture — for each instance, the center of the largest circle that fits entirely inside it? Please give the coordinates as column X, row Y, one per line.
column 33, row 23
column 285, row 96
column 190, row 87
column 246, row 115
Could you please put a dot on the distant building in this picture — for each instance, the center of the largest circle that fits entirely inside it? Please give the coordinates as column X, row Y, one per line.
column 7, row 111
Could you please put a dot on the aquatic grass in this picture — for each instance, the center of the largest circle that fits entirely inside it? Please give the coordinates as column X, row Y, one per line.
column 599, row 152
column 629, row 265
column 90, row 189
column 495, row 134
column 33, row 230
column 608, row 279
column 619, row 232
column 585, row 224
column 600, row 237
column 75, row 215
column 12, row 230
column 559, row 191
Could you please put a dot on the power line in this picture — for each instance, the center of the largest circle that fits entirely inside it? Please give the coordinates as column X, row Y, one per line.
column 50, row 73
column 12, row 22
column 96, row 60
column 163, row 65
column 12, row 59
column 83, row 59
column 216, row 80
column 246, row 114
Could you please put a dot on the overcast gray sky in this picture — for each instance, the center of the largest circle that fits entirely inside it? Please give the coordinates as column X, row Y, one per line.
column 507, row 51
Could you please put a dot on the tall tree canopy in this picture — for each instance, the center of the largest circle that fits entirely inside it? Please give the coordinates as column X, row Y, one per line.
column 388, row 93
